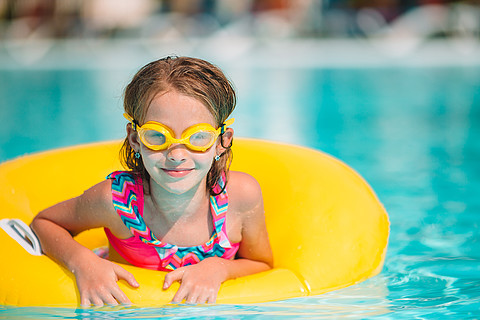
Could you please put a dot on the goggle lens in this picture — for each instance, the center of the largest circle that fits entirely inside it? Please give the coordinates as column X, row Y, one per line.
column 202, row 138
column 154, row 137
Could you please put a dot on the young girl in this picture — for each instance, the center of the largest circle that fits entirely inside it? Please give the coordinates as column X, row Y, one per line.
column 179, row 209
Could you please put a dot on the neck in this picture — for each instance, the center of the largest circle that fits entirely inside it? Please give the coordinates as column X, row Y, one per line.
column 172, row 206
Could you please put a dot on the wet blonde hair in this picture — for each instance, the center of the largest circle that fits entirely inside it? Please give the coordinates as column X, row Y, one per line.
column 193, row 77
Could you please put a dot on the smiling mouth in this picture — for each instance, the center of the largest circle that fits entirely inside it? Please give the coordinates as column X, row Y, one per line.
column 177, row 173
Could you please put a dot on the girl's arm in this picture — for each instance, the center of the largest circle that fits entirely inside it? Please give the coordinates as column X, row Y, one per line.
column 56, row 226
column 200, row 283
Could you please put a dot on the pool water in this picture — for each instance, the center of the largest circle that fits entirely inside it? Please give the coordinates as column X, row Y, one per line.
column 413, row 133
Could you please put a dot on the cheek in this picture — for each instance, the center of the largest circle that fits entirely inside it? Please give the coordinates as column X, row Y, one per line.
column 205, row 160
column 150, row 158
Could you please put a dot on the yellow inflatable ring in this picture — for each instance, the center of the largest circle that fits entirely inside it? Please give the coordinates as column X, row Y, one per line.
column 326, row 226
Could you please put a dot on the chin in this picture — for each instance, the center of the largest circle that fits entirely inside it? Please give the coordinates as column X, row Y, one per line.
column 177, row 190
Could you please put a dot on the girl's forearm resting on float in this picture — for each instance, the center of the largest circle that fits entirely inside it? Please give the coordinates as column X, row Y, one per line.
column 242, row 267
column 57, row 225
column 58, row 243
column 96, row 278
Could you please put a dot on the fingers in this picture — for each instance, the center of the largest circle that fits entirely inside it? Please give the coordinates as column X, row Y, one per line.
column 85, row 301
column 200, row 296
column 108, row 293
column 213, row 297
column 208, row 296
column 98, row 300
column 173, row 276
column 192, row 290
column 106, row 298
column 120, row 296
column 180, row 295
column 123, row 274
column 195, row 294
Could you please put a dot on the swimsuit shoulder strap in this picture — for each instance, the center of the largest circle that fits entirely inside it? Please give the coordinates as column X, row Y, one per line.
column 127, row 197
column 219, row 208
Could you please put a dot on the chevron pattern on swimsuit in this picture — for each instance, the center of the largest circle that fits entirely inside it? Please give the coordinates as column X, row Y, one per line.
column 127, row 187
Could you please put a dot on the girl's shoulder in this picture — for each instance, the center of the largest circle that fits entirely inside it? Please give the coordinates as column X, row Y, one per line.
column 99, row 196
column 89, row 210
column 96, row 203
column 244, row 191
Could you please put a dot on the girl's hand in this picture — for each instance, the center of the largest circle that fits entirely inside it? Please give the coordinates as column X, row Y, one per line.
column 97, row 282
column 199, row 283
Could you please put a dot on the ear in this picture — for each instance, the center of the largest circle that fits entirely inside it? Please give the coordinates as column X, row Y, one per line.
column 226, row 140
column 133, row 138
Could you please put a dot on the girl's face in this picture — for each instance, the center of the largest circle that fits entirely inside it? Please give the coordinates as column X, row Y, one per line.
column 176, row 169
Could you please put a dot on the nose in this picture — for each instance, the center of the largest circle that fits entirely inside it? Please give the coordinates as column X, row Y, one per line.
column 177, row 153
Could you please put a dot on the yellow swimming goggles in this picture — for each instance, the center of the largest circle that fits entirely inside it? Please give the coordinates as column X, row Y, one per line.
column 157, row 136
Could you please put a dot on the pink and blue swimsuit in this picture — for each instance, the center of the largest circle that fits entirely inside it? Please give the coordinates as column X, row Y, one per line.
column 143, row 249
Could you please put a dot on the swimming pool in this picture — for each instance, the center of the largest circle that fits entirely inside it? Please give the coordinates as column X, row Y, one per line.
column 412, row 132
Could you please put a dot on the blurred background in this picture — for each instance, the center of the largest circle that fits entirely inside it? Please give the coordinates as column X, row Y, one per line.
column 390, row 87
column 30, row 29
column 173, row 19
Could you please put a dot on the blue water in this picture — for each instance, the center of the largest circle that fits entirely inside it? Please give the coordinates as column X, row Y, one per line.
column 413, row 133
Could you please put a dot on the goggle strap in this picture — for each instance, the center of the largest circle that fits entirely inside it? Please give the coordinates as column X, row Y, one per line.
column 227, row 123
column 226, row 147
column 132, row 121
